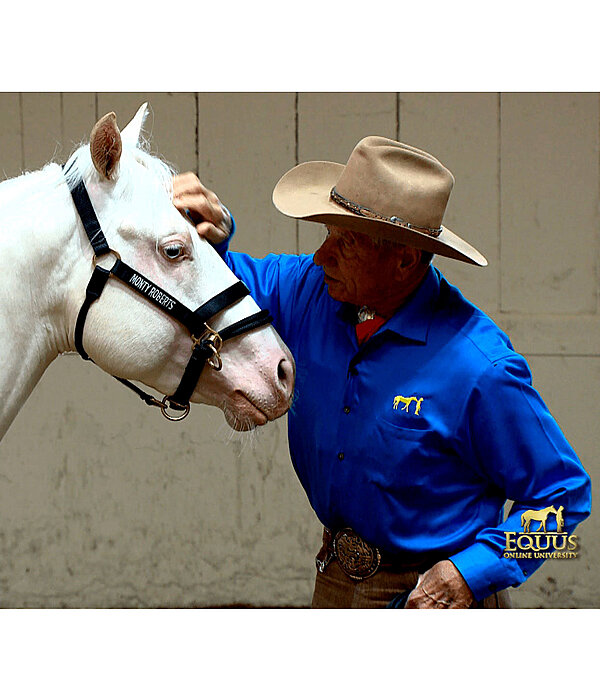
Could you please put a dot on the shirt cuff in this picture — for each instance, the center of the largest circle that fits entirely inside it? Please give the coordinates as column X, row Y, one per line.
column 485, row 571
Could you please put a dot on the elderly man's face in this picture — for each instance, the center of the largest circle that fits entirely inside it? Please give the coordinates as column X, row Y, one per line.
column 356, row 270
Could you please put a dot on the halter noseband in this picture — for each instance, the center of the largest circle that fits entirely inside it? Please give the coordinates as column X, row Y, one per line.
column 206, row 341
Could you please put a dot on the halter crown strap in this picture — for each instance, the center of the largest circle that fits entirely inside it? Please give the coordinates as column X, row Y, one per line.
column 88, row 217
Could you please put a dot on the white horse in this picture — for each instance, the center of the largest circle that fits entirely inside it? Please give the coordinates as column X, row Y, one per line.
column 46, row 262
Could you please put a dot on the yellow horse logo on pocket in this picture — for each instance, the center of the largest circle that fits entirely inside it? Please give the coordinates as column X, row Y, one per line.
column 407, row 402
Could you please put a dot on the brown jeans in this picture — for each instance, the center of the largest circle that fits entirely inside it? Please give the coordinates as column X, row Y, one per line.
column 333, row 589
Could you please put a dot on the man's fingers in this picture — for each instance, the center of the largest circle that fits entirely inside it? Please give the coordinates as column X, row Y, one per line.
column 199, row 208
column 442, row 586
column 188, row 183
column 211, row 232
column 417, row 600
column 202, row 206
column 411, row 601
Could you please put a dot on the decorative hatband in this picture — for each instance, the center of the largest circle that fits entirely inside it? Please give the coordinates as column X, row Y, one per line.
column 371, row 214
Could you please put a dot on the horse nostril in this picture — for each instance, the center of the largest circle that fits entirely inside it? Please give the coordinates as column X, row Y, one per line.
column 285, row 375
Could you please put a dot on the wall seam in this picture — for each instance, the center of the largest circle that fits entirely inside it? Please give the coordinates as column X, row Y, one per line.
column 597, row 266
column 296, row 159
column 197, row 136
column 22, row 130
column 62, row 120
column 499, row 176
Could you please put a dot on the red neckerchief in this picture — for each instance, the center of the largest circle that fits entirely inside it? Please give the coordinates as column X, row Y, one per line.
column 366, row 329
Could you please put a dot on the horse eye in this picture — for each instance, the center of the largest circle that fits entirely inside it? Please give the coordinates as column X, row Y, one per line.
column 172, row 251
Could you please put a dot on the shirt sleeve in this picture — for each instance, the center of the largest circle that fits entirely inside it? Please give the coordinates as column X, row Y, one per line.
column 513, row 442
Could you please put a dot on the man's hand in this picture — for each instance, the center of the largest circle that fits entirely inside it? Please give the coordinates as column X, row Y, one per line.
column 211, row 219
column 442, row 586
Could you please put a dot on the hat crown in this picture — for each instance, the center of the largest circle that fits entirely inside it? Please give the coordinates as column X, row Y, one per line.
column 395, row 179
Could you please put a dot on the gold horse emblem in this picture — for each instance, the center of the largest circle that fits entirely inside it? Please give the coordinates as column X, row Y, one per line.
column 407, row 402
column 542, row 516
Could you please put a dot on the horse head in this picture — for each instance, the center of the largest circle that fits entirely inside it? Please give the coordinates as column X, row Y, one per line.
column 129, row 337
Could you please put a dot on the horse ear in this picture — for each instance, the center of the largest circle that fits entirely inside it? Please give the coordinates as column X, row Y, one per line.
column 106, row 145
column 131, row 133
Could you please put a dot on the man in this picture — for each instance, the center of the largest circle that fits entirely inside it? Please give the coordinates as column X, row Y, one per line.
column 415, row 420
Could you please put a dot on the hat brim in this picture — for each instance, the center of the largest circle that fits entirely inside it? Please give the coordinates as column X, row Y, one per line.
column 303, row 193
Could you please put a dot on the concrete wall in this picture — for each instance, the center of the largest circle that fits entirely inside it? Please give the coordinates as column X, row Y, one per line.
column 105, row 504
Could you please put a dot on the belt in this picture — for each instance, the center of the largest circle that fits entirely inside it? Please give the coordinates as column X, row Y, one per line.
column 359, row 559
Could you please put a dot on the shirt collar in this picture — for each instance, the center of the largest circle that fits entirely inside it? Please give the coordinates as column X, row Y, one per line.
column 413, row 318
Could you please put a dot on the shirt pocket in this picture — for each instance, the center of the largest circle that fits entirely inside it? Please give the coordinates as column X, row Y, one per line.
column 418, row 430
column 401, row 458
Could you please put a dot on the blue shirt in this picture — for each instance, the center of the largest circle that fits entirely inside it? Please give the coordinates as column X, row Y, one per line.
column 416, row 438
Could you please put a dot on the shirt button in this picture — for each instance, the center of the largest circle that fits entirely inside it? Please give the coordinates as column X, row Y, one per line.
column 346, row 409
column 340, row 456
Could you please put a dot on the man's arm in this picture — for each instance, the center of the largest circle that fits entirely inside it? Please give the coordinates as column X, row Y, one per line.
column 512, row 440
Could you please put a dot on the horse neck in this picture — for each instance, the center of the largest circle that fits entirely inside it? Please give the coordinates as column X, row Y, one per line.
column 38, row 250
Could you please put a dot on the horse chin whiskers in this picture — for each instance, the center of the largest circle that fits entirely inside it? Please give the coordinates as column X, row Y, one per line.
column 244, row 440
column 242, row 433
column 238, row 424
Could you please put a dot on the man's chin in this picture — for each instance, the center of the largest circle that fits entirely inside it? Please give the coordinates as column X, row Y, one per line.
column 333, row 289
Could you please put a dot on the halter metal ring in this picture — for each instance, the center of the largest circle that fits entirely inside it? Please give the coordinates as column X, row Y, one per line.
column 108, row 252
column 215, row 343
column 215, row 361
column 167, row 403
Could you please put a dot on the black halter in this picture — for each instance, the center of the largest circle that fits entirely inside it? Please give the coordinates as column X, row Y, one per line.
column 206, row 341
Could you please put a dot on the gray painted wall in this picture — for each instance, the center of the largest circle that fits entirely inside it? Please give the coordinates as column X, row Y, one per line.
column 105, row 504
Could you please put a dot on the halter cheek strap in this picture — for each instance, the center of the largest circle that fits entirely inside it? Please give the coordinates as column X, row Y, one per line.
column 206, row 341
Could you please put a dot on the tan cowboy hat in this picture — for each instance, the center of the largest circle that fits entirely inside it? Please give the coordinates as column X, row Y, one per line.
column 386, row 189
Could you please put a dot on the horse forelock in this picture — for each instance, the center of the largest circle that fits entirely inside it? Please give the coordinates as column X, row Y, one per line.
column 79, row 167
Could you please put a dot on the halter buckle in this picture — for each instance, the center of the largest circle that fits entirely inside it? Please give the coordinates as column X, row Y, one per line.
column 211, row 339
